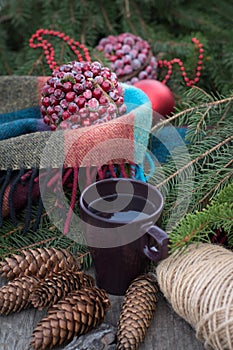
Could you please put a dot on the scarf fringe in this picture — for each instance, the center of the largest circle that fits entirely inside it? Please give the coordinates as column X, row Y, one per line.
column 14, row 181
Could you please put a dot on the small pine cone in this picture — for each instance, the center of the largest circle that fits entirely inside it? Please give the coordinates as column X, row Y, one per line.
column 15, row 295
column 52, row 289
column 39, row 262
column 137, row 312
column 75, row 315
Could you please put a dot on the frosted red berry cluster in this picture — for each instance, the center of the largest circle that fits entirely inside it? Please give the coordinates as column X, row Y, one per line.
column 130, row 56
column 81, row 94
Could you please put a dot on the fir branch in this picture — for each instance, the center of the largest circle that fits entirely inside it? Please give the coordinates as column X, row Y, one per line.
column 105, row 15
column 190, row 110
column 193, row 161
column 5, row 18
column 198, row 226
column 198, row 170
column 214, row 188
column 143, row 24
column 12, row 240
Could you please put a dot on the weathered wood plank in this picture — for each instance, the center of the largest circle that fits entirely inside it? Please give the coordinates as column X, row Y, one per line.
column 167, row 332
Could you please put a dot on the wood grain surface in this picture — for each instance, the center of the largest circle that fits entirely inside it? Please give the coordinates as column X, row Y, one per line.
column 167, row 332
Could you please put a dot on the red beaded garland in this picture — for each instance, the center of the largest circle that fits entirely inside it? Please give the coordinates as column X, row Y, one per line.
column 49, row 50
column 75, row 46
column 168, row 64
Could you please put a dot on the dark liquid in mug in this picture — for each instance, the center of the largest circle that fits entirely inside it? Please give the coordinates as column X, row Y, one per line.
column 122, row 208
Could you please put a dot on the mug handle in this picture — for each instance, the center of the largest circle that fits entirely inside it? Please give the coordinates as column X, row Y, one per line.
column 161, row 251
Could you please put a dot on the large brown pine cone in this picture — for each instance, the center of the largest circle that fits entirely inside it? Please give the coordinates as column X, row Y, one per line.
column 76, row 314
column 137, row 312
column 15, row 295
column 39, row 262
column 52, row 289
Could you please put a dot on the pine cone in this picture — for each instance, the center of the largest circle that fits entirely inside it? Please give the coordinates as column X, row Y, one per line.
column 52, row 289
column 39, row 262
column 137, row 312
column 76, row 314
column 15, row 295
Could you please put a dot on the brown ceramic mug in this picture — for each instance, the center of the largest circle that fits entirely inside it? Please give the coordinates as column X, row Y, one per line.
column 119, row 217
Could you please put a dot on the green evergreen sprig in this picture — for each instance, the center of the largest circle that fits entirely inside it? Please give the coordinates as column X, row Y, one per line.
column 12, row 239
column 199, row 169
column 167, row 28
column 198, row 226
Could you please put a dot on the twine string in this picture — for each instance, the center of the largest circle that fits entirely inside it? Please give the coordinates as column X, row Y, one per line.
column 198, row 282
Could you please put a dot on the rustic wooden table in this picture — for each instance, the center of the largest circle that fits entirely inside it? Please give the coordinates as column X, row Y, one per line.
column 167, row 332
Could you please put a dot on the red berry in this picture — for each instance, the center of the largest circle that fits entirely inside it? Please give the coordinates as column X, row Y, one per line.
column 64, row 125
column 103, row 100
column 65, row 115
column 93, row 104
column 120, row 100
column 102, row 110
column 86, row 122
column 88, row 85
column 50, row 91
column 80, row 78
column 72, row 108
column 54, row 117
column 87, row 94
column 99, row 79
column 70, row 96
column 64, row 104
column 75, row 118
column 97, row 93
column 86, row 66
column 46, row 101
column 78, row 88
column 53, row 127
column 53, row 101
column 106, row 85
column 80, row 101
column 93, row 116
column 83, row 112
column 46, row 120
column 59, row 94
column 80, row 91
column 50, row 110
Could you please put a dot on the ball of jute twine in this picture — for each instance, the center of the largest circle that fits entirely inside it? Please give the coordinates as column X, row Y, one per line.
column 198, row 282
